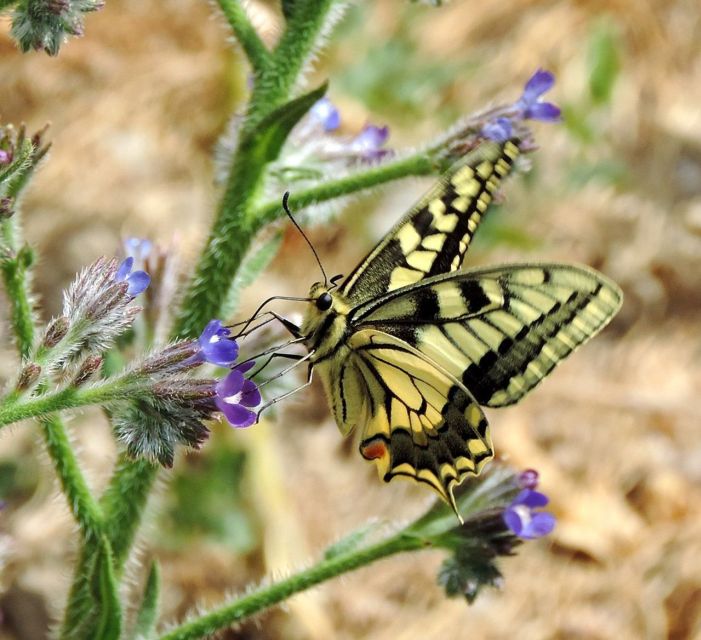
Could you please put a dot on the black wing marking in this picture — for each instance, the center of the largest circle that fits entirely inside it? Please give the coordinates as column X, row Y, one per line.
column 434, row 235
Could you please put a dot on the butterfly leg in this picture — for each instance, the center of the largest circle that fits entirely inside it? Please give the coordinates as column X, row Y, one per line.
column 270, row 403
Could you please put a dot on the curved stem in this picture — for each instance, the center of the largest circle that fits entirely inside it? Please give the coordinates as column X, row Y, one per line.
column 265, row 597
column 413, row 165
column 240, row 24
column 83, row 506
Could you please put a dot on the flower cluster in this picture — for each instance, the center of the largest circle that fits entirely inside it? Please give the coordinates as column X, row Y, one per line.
column 314, row 137
column 46, row 24
column 489, row 530
column 521, row 515
column 19, row 155
column 173, row 407
column 502, row 122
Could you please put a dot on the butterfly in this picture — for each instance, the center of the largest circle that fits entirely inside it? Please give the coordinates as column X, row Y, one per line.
column 410, row 347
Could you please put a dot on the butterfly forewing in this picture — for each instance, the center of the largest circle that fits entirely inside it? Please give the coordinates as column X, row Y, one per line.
column 499, row 330
column 434, row 235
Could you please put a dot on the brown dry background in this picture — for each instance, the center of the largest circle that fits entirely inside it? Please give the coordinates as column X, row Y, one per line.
column 136, row 107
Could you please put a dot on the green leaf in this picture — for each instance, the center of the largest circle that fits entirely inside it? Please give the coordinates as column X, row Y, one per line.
column 147, row 616
column 265, row 142
column 253, row 264
column 105, row 590
column 604, row 63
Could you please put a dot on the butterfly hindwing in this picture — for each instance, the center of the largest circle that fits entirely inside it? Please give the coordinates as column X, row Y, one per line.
column 419, row 421
column 498, row 330
column 434, row 235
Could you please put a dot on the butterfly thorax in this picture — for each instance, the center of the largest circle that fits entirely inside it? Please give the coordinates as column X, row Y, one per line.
column 325, row 323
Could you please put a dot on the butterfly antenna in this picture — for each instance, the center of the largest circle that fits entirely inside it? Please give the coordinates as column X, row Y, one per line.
column 285, row 198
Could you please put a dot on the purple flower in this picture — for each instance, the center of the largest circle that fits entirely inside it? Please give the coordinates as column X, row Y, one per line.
column 235, row 394
column 528, row 479
column 369, row 142
column 138, row 248
column 137, row 281
column 325, row 113
column 529, row 105
column 5, row 157
column 522, row 518
column 499, row 129
column 215, row 345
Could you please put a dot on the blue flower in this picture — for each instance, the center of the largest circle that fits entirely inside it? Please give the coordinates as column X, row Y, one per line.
column 529, row 104
column 138, row 248
column 325, row 113
column 235, row 395
column 498, row 129
column 522, row 518
column 369, row 142
column 216, row 347
column 137, row 281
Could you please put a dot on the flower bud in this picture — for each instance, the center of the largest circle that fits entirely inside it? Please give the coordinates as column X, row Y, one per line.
column 89, row 366
column 55, row 332
column 29, row 375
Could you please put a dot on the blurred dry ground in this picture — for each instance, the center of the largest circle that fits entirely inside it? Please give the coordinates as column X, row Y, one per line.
column 136, row 107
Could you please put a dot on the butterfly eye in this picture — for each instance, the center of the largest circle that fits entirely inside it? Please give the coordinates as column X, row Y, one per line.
column 324, row 302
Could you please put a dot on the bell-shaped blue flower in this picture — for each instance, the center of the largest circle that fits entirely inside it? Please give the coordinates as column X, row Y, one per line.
column 137, row 281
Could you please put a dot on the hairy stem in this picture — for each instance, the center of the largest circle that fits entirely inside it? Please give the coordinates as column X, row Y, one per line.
column 265, row 597
column 69, row 398
column 15, row 276
column 258, row 56
column 414, row 165
column 83, row 506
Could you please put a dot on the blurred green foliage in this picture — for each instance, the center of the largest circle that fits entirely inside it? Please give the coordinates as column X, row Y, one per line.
column 206, row 498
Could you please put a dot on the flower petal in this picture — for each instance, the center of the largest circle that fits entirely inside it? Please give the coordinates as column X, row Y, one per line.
column 237, row 415
column 222, row 353
column 138, row 282
column 250, row 396
column 513, row 520
column 245, row 366
column 499, row 129
column 531, row 499
column 541, row 524
column 325, row 112
column 230, row 385
column 540, row 82
column 370, row 140
column 544, row 111
column 211, row 330
column 124, row 269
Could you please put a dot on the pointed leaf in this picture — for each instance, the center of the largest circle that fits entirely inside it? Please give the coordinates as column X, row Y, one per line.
column 267, row 140
column 147, row 616
column 105, row 589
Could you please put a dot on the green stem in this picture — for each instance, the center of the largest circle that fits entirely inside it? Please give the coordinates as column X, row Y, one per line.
column 124, row 500
column 83, row 506
column 253, row 46
column 293, row 50
column 69, row 398
column 414, row 165
column 265, row 597
column 15, row 276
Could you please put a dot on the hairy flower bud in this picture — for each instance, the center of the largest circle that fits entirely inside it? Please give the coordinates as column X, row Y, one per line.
column 171, row 413
column 29, row 375
column 55, row 332
column 7, row 208
column 97, row 304
column 88, row 367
